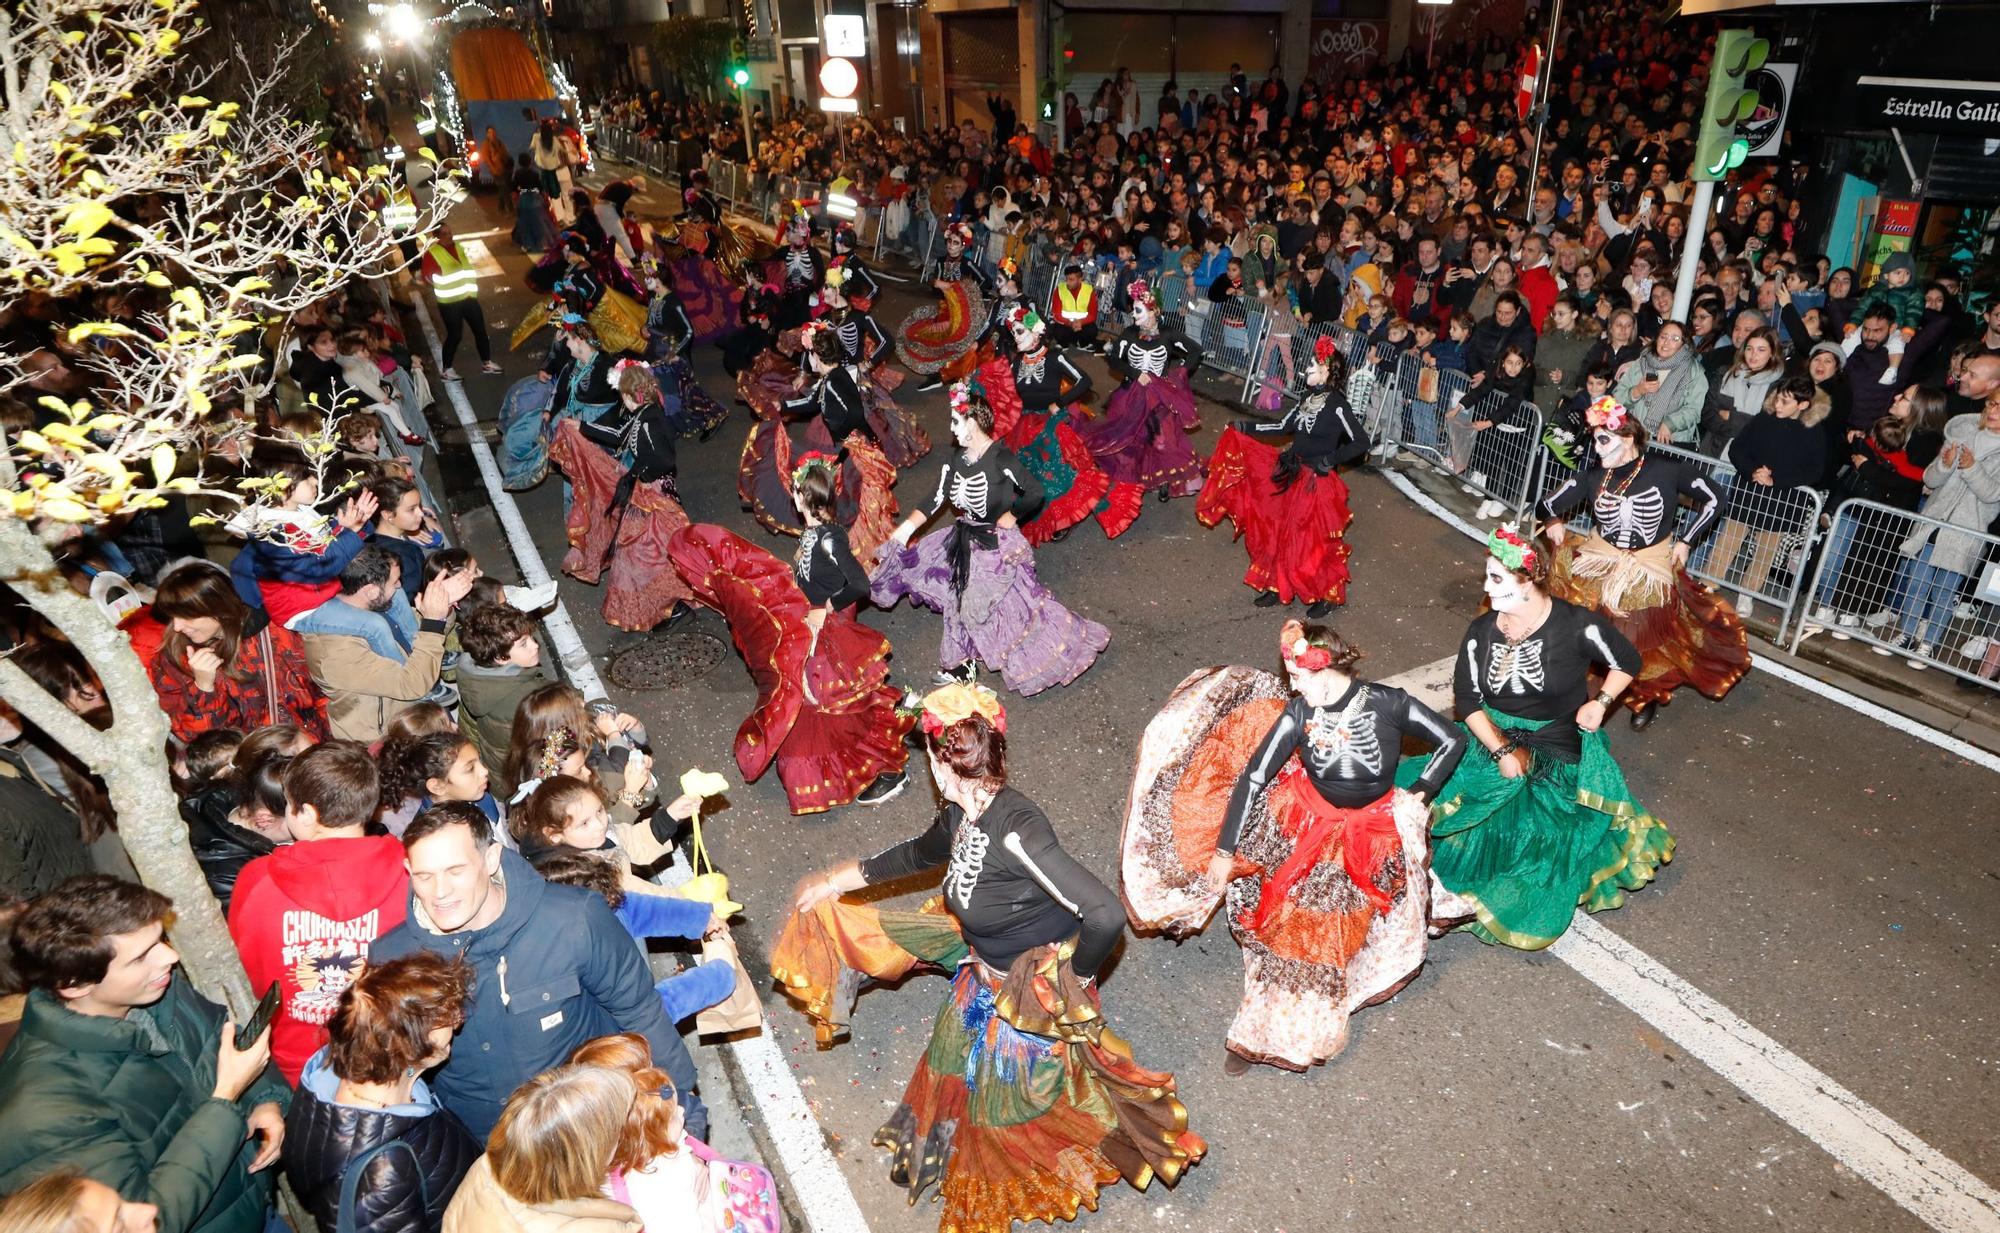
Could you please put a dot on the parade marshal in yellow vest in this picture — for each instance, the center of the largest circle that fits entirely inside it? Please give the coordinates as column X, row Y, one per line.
column 451, row 275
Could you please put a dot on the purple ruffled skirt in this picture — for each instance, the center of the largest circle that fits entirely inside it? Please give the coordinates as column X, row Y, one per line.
column 1006, row 618
column 1142, row 436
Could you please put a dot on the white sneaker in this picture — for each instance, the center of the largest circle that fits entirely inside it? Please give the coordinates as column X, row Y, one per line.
column 530, row 599
column 1975, row 648
column 1468, row 490
column 1876, row 620
column 449, row 374
column 1923, row 652
column 1478, row 480
column 1823, row 615
column 1842, row 625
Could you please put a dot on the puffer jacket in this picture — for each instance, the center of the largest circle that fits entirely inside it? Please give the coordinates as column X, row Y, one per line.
column 130, row 1102
column 402, row 1191
column 221, row 847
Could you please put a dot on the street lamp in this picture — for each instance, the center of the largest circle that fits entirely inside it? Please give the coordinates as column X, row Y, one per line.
column 372, row 41
column 403, row 23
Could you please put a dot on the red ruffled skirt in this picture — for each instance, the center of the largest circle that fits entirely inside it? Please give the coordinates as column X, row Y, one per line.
column 640, row 586
column 1686, row 634
column 865, row 499
column 826, row 714
column 1048, row 444
column 1296, row 538
column 935, row 335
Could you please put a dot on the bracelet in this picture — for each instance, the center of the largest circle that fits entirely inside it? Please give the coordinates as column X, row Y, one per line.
column 1604, row 699
column 1504, row 750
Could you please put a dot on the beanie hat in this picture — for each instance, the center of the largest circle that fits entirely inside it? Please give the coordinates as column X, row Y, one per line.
column 1829, row 348
column 1900, row 261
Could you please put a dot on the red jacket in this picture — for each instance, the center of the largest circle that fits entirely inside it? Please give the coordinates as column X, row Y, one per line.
column 1538, row 287
column 305, row 916
column 241, row 698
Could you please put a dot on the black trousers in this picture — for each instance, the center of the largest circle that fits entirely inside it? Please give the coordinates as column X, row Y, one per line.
column 1073, row 336
column 457, row 315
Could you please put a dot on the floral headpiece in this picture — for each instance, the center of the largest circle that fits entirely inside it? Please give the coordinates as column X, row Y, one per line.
column 1009, row 267
column 1142, row 293
column 810, row 332
column 962, row 232
column 556, row 746
column 810, row 459
column 1606, row 412
column 837, row 272
column 960, row 397
column 1507, row 546
column 956, row 703
column 1325, row 348
column 1021, row 317
column 1296, row 651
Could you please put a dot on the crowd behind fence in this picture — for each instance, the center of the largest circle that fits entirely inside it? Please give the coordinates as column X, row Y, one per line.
column 1844, row 570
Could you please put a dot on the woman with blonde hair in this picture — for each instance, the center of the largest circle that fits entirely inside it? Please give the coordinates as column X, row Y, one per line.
column 548, row 1156
column 66, row 1201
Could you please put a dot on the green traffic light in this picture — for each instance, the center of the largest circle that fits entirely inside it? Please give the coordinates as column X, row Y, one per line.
column 741, row 76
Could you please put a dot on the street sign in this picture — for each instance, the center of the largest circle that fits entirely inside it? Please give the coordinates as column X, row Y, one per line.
column 846, row 35
column 839, row 78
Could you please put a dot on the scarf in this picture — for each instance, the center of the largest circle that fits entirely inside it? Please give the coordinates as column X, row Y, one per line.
column 1673, row 376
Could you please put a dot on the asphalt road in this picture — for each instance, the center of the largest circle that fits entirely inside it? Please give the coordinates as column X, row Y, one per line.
column 1836, row 885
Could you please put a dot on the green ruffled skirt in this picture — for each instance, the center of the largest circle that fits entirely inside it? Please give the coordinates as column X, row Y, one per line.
column 1526, row 853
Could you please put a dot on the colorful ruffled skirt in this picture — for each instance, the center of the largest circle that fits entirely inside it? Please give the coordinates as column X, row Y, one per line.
column 1296, row 538
column 1141, row 438
column 624, row 545
column 712, row 302
column 826, row 714
column 865, row 496
column 935, row 335
column 690, row 409
column 1024, row 1104
column 1004, row 617
column 1330, row 905
column 1048, row 444
column 1515, row 858
column 525, row 434
column 1685, row 632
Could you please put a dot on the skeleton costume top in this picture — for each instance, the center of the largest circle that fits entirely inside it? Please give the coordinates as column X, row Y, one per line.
column 804, row 267
column 666, row 318
column 1048, row 378
column 1325, row 431
column 1544, row 676
column 1349, row 750
column 984, row 488
column 836, row 399
column 1134, row 353
column 1634, row 506
column 997, row 328
column 862, row 339
column 1009, row 884
column 644, row 436
column 825, row 568
column 963, row 268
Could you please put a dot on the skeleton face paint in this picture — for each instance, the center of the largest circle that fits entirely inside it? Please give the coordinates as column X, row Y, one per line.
column 961, row 430
column 1503, row 590
column 1613, row 450
column 1144, row 316
column 1025, row 339
column 1316, row 372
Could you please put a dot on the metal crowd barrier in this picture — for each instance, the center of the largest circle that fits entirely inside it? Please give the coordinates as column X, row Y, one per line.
column 1866, row 587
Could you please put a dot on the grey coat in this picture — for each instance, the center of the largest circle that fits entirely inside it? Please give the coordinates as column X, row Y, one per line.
column 1961, row 497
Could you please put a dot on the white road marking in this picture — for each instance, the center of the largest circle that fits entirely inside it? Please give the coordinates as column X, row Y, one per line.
column 828, row 1202
column 1784, row 672
column 481, row 258
column 483, row 235
column 1918, row 1177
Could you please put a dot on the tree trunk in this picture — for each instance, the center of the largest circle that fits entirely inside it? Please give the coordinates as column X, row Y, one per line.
column 130, row 756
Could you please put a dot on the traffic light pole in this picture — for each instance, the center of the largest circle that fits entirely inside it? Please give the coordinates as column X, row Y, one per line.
column 1691, row 245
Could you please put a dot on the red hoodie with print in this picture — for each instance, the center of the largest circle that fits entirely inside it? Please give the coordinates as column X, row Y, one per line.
column 305, row 916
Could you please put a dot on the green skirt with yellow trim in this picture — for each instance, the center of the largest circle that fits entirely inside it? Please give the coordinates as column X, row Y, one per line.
column 1519, row 856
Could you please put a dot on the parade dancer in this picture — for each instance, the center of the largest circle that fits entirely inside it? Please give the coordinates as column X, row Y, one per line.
column 843, row 304
column 579, row 286
column 669, row 333
column 1632, row 568
column 800, row 272
column 1141, row 438
column 1024, row 1104
column 574, row 383
column 934, row 336
column 995, row 342
column 710, row 295
column 826, row 715
column 1323, row 857
column 1036, row 389
column 1538, row 821
column 1290, row 506
column 980, row 574
column 834, row 402
column 626, row 507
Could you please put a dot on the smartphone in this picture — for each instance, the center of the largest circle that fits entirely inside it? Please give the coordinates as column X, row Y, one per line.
column 260, row 1018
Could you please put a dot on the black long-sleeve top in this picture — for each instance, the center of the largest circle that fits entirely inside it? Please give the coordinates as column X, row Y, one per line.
column 590, row 386
column 580, row 290
column 1049, row 378
column 825, row 568
column 701, row 206
column 1634, row 511
column 836, row 399
column 644, row 433
column 667, row 318
column 1796, row 455
column 323, row 384
column 1009, row 883
column 804, row 268
column 860, row 283
column 963, row 268
column 1325, row 431
column 1349, row 750
column 997, row 327
column 983, row 489
column 1135, row 353
column 862, row 338
column 1545, row 676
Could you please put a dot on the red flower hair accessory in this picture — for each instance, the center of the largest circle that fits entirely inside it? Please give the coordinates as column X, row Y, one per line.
column 1606, row 412
column 1508, row 547
column 960, row 397
column 955, row 704
column 1324, row 348
column 1300, row 654
column 810, row 459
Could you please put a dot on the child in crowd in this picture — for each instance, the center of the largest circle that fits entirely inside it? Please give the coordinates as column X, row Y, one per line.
column 502, row 666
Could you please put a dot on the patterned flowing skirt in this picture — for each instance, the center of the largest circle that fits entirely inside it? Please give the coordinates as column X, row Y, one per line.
column 1025, row 1104
column 1048, row 444
column 825, row 713
column 1141, row 439
column 690, row 409
column 935, row 335
column 624, row 545
column 1515, row 858
column 1685, row 632
column 1296, row 538
column 1329, row 906
column 524, row 439
column 712, row 302
column 865, row 496
column 1005, row 618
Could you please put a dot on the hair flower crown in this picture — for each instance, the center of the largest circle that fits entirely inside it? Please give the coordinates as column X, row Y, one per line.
column 810, row 459
column 955, row 704
column 1507, row 546
column 1606, row 412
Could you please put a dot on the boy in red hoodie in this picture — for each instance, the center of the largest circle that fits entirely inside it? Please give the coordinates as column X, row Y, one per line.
column 305, row 915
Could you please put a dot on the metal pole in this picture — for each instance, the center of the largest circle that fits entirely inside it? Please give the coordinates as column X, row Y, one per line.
column 1691, row 245
column 749, row 137
column 1548, row 71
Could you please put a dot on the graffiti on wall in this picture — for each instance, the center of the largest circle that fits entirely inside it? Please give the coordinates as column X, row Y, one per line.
column 1346, row 48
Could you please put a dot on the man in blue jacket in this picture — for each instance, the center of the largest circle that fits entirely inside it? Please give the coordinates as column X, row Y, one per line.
column 552, row 967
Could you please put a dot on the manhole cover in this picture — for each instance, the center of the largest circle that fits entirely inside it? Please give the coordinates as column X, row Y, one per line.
column 669, row 661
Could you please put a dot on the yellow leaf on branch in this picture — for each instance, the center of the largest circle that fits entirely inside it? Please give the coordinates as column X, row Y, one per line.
column 163, row 463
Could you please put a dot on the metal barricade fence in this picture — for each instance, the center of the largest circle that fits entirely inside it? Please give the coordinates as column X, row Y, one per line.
column 1228, row 333
column 1936, row 606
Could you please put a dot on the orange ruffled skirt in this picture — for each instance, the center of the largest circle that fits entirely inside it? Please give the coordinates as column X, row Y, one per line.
column 1024, row 1104
column 1686, row 633
column 640, row 586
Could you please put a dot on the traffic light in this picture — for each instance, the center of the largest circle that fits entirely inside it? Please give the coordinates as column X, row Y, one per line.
column 1065, row 60
column 1718, row 149
column 739, row 76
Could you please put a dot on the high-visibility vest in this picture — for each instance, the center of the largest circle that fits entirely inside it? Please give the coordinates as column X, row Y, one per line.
column 400, row 213
column 1074, row 306
column 455, row 280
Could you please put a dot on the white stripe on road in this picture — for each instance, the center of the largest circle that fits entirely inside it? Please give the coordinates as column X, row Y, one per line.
column 1921, row 1179
column 829, row 1204
column 1784, row 672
